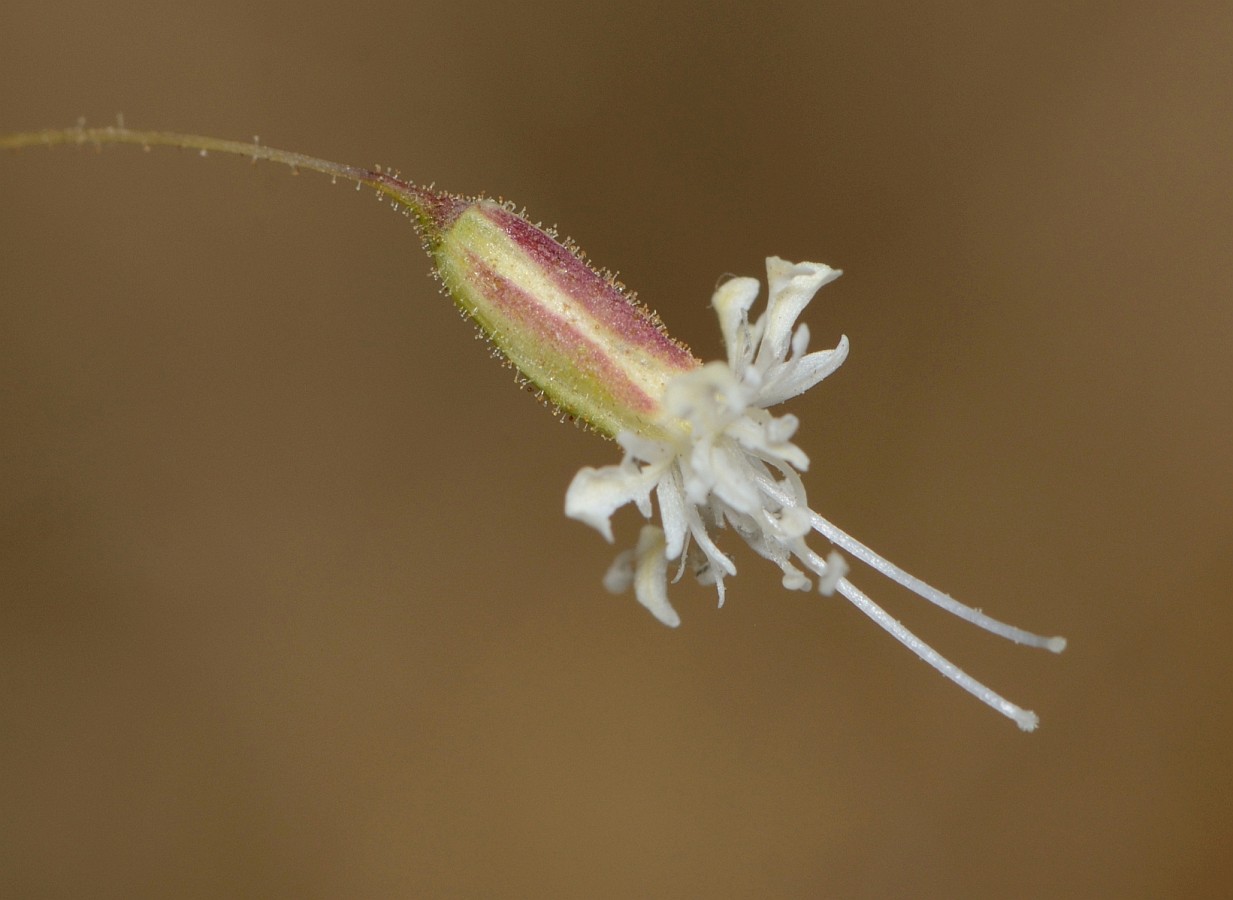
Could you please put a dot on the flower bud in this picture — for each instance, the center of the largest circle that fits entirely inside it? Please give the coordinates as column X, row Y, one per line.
column 591, row 349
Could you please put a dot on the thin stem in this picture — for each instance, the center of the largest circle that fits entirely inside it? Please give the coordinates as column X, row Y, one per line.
column 424, row 204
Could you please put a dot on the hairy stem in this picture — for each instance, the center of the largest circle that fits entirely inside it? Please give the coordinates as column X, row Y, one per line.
column 427, row 206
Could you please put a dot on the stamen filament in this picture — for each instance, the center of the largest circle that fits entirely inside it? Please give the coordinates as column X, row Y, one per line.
column 845, row 541
column 1024, row 718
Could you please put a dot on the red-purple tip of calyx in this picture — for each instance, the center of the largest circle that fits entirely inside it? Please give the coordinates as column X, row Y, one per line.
column 433, row 211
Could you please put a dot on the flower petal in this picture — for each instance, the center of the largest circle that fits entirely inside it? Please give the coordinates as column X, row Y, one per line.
column 672, row 511
column 792, row 379
column 651, row 576
column 595, row 494
column 791, row 287
column 769, row 439
column 732, row 301
column 643, row 448
column 732, row 483
column 800, row 341
column 717, row 562
column 620, row 574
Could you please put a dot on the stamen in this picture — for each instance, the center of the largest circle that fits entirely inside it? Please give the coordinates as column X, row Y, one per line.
column 1024, row 718
column 842, row 539
column 845, row 541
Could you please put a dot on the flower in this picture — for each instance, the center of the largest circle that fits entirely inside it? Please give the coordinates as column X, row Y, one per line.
column 721, row 459
column 723, row 445
column 698, row 436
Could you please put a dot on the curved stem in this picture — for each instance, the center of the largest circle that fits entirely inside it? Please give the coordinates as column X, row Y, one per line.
column 432, row 209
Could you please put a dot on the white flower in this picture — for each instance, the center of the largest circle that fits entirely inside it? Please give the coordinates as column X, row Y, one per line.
column 698, row 437
column 727, row 462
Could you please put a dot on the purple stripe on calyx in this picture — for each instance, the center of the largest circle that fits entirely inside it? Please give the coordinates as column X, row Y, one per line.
column 560, row 349
column 602, row 300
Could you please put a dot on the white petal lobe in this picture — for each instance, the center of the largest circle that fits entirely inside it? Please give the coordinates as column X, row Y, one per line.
column 651, row 576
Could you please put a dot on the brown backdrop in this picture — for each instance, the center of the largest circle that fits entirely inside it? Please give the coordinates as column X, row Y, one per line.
column 288, row 605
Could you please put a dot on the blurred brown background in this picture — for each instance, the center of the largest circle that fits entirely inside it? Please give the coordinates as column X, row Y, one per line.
column 288, row 605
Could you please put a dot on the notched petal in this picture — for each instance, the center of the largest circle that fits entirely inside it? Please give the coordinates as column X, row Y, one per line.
column 791, row 287
column 793, row 378
column 595, row 494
